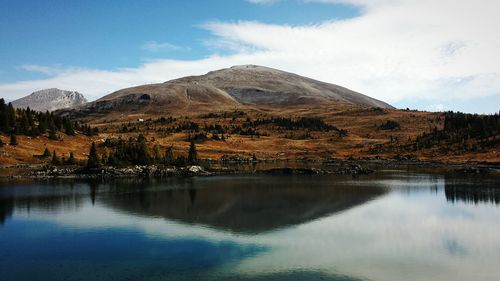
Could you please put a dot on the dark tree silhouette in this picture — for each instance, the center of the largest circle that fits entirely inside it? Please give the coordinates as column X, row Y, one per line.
column 192, row 154
column 13, row 140
column 93, row 159
column 46, row 153
column 55, row 159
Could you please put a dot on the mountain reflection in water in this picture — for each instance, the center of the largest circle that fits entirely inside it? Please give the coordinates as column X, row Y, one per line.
column 247, row 205
column 392, row 225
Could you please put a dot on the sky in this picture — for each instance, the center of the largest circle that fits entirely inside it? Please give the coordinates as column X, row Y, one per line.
column 427, row 55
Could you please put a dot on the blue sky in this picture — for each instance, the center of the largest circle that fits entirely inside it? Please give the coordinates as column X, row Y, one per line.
column 417, row 54
column 115, row 34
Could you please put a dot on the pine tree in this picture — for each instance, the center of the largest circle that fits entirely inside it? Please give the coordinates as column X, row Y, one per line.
column 52, row 133
column 156, row 153
column 55, row 159
column 23, row 126
column 4, row 122
column 42, row 123
column 46, row 153
column 93, row 160
column 29, row 115
column 169, row 156
column 68, row 127
column 193, row 154
column 1, row 143
column 143, row 157
column 71, row 160
column 11, row 115
column 13, row 139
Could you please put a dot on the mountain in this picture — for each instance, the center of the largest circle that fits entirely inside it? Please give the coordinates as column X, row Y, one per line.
column 50, row 99
column 258, row 85
column 226, row 89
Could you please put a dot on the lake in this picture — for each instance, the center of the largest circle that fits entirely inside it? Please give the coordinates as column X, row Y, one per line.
column 399, row 224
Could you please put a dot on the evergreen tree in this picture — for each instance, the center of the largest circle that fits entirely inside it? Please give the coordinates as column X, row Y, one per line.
column 23, row 126
column 193, row 154
column 4, row 122
column 93, row 160
column 11, row 115
column 1, row 143
column 71, row 160
column 46, row 153
column 43, row 123
column 156, row 153
column 143, row 157
column 55, row 159
column 29, row 116
column 68, row 127
column 169, row 156
column 52, row 134
column 13, row 139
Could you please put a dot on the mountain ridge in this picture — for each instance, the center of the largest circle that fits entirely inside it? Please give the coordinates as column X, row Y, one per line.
column 237, row 87
column 50, row 99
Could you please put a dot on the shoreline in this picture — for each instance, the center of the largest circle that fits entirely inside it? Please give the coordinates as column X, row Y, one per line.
column 217, row 168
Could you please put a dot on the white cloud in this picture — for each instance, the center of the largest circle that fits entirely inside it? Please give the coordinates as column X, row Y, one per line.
column 435, row 51
column 39, row 69
column 154, row 46
column 262, row 1
column 396, row 227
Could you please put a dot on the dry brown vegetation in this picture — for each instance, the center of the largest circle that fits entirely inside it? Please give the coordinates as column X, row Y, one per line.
column 364, row 140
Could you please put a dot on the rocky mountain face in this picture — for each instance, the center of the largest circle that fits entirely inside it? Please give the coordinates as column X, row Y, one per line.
column 231, row 88
column 50, row 99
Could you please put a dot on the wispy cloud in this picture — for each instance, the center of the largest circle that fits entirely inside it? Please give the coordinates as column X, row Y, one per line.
column 39, row 69
column 50, row 70
column 153, row 46
column 397, row 50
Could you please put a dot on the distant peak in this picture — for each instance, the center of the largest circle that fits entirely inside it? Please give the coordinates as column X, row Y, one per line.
column 53, row 90
column 250, row 67
column 50, row 99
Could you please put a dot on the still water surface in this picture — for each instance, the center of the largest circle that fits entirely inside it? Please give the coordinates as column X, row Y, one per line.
column 392, row 225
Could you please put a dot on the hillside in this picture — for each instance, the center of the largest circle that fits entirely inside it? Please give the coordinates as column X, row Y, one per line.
column 238, row 87
column 50, row 99
column 243, row 113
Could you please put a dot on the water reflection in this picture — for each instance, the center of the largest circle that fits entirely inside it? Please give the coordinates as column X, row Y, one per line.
column 387, row 226
column 6, row 209
column 472, row 190
column 52, row 196
column 247, row 204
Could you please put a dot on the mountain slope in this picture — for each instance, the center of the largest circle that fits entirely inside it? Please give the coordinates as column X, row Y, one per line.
column 226, row 89
column 252, row 84
column 50, row 99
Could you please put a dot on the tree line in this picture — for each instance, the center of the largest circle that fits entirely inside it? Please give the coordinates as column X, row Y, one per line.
column 311, row 123
column 34, row 123
column 474, row 125
column 468, row 131
column 134, row 151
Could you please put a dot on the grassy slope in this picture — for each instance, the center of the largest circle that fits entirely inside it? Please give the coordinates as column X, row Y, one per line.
column 361, row 124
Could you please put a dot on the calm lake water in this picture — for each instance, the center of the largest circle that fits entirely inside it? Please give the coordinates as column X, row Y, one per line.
column 391, row 225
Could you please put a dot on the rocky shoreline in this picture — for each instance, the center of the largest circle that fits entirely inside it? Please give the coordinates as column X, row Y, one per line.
column 346, row 167
column 153, row 171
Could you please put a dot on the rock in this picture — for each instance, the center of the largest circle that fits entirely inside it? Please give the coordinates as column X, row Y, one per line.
column 50, row 99
column 195, row 169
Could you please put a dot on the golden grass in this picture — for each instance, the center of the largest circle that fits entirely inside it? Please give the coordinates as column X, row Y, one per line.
column 360, row 122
